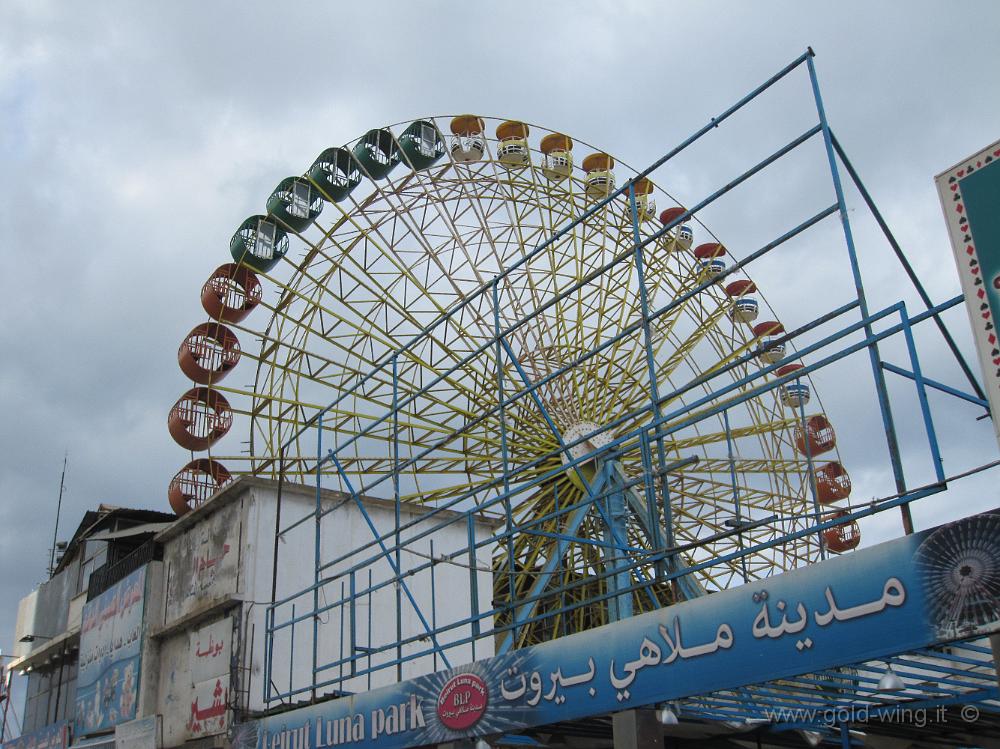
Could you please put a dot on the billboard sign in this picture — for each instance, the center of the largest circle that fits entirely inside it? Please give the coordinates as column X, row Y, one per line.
column 110, row 656
column 210, row 656
column 55, row 736
column 908, row 593
column 970, row 196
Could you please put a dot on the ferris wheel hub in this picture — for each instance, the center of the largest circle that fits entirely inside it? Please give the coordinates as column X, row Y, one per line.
column 578, row 431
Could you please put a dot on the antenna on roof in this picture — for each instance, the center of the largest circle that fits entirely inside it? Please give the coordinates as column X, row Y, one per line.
column 55, row 532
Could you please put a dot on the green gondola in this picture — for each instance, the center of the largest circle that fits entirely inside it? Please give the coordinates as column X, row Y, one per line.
column 259, row 243
column 335, row 173
column 377, row 153
column 295, row 203
column 421, row 144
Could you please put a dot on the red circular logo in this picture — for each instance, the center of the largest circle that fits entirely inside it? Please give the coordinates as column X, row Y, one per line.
column 462, row 701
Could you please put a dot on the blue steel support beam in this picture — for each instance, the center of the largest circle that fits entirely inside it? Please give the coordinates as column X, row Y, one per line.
column 504, row 454
column 935, row 385
column 525, row 610
column 883, row 396
column 911, row 274
column 619, row 606
column 392, row 562
column 533, row 392
column 925, row 410
column 317, row 563
column 653, row 528
column 396, row 512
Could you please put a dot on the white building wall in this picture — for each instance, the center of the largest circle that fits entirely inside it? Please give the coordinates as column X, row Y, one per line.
column 374, row 612
column 222, row 556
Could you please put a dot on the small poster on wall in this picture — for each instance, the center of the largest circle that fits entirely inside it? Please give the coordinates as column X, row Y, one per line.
column 110, row 656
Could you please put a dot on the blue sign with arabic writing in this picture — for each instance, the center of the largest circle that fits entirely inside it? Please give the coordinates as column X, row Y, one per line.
column 110, row 653
column 904, row 594
column 55, row 736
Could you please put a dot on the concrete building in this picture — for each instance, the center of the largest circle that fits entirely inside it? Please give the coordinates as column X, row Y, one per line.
column 154, row 626
column 108, row 545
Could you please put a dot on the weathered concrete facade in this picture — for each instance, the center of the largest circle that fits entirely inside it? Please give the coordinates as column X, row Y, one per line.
column 203, row 656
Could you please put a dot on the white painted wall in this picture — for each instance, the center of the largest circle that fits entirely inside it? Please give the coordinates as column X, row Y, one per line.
column 344, row 530
column 234, row 535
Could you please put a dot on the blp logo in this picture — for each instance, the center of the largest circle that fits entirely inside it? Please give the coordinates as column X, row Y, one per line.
column 462, row 701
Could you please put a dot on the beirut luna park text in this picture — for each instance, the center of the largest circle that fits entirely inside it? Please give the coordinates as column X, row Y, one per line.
column 324, row 732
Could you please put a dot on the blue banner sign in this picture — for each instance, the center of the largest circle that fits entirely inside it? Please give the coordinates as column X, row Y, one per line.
column 55, row 736
column 107, row 686
column 908, row 593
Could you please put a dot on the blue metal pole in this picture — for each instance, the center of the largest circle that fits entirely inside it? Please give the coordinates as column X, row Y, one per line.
column 396, row 513
column 936, row 385
column 504, row 455
column 883, row 395
column 473, row 580
column 317, row 557
column 922, row 396
column 736, row 490
column 811, row 471
column 654, row 390
column 352, row 608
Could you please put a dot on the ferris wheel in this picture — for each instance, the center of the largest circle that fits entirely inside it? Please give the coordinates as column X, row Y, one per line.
column 375, row 261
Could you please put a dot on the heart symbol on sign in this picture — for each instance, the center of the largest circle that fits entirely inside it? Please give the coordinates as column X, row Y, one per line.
column 961, row 172
column 954, row 187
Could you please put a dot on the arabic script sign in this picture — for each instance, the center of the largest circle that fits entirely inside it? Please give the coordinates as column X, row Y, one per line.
column 905, row 594
column 55, row 736
column 203, row 563
column 110, row 646
column 210, row 653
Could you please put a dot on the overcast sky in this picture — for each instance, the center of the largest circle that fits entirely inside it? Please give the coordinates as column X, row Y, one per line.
column 135, row 137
